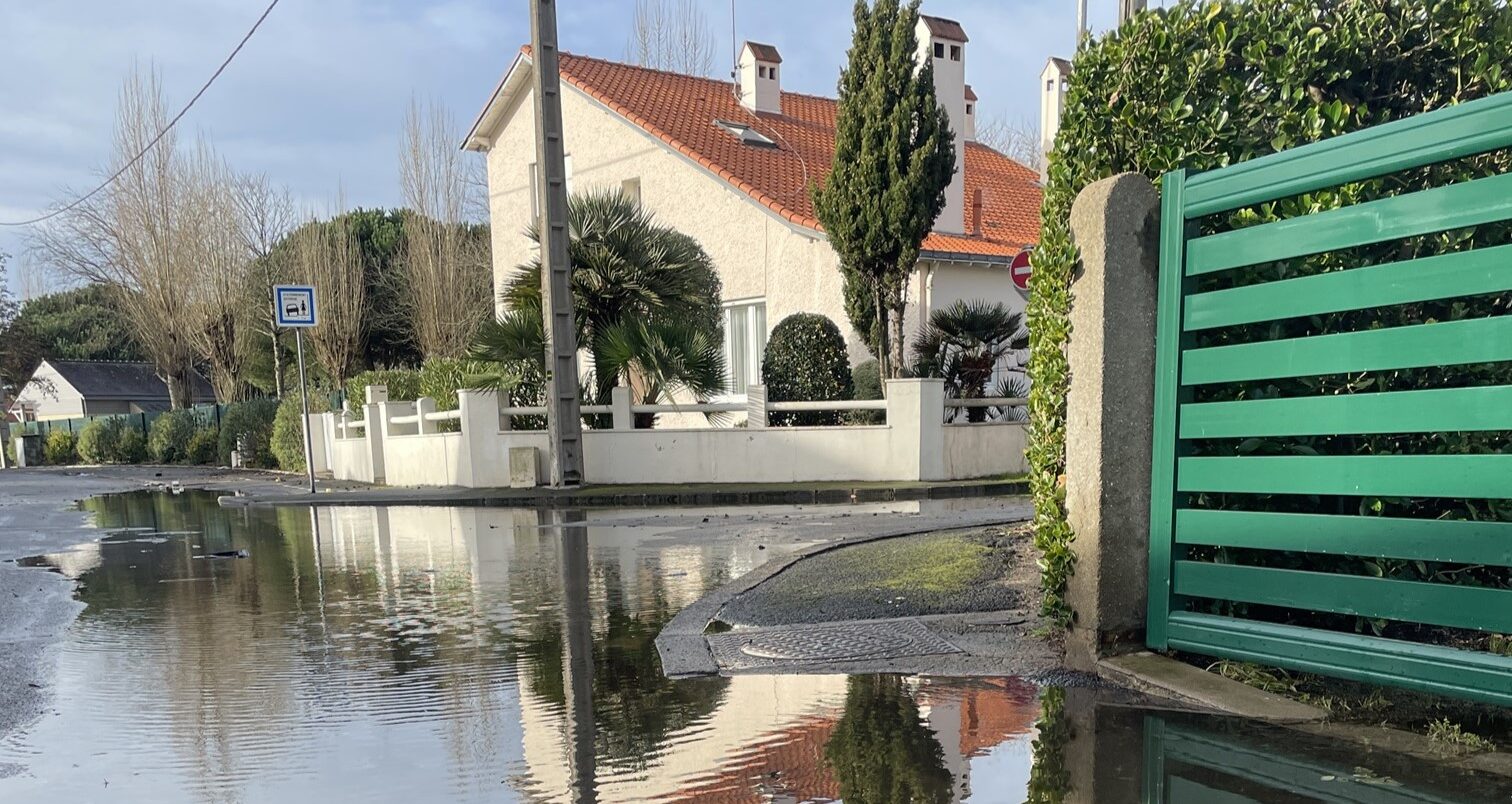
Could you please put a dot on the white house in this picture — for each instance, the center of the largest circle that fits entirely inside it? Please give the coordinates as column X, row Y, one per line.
column 66, row 389
column 730, row 164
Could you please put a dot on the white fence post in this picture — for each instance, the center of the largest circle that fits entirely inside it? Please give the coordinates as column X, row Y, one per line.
column 756, row 406
column 373, row 414
column 916, row 412
column 619, row 402
column 478, row 414
column 425, row 405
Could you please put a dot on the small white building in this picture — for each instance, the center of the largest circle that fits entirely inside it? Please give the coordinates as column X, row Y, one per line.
column 69, row 389
column 731, row 164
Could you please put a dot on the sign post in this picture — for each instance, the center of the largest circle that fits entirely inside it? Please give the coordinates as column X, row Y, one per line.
column 295, row 309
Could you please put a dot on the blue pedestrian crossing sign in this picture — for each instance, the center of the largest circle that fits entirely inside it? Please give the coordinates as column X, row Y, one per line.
column 294, row 305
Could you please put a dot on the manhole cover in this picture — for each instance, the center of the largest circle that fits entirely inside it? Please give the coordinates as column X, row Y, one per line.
column 817, row 644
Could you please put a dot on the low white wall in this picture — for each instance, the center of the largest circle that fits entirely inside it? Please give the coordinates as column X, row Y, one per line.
column 985, row 450
column 426, row 460
column 913, row 445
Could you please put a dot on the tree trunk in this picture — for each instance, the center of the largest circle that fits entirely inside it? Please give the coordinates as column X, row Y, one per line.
column 884, row 352
column 278, row 389
column 897, row 341
column 180, row 389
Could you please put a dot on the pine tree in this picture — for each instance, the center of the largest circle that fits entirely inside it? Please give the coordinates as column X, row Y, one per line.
column 894, row 157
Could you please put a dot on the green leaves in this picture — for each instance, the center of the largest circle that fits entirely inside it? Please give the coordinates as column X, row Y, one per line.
column 806, row 361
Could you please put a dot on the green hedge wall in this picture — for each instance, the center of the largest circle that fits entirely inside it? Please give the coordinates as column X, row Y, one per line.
column 1203, row 86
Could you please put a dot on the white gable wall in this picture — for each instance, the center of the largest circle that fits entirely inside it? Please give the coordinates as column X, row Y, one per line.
column 48, row 396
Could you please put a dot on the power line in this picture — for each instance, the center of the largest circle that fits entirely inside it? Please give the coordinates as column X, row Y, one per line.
column 171, row 123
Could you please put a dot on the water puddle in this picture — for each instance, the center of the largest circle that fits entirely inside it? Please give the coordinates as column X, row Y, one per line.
column 484, row 654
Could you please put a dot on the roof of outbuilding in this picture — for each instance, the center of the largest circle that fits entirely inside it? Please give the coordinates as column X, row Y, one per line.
column 107, row 379
column 680, row 110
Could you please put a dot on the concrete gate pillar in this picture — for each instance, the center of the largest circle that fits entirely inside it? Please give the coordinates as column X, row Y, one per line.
column 1110, row 413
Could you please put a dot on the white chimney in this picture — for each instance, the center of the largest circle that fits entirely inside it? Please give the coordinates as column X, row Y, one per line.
column 943, row 42
column 971, row 104
column 760, row 87
column 1054, row 80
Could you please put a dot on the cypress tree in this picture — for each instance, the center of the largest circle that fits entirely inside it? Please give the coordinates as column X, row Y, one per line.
column 894, row 156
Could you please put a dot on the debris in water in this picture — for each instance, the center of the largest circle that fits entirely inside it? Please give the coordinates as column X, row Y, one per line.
column 227, row 554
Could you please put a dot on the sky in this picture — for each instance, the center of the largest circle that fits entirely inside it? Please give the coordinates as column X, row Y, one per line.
column 316, row 98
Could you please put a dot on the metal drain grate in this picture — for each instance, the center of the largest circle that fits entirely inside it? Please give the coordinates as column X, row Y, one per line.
column 767, row 647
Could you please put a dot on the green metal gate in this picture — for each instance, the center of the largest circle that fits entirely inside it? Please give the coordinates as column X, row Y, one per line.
column 1216, row 533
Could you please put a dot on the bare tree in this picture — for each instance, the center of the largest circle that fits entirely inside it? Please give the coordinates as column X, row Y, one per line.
column 671, row 35
column 130, row 236
column 327, row 256
column 266, row 217
column 445, row 257
column 211, row 234
column 1019, row 141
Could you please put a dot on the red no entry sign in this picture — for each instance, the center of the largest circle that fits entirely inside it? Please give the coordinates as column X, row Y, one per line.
column 1019, row 269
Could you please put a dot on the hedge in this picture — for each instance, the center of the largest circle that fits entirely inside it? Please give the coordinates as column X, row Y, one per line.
column 806, row 361
column 1203, row 86
column 403, row 384
column 248, row 424
column 60, row 448
column 168, row 441
column 99, row 441
column 287, row 440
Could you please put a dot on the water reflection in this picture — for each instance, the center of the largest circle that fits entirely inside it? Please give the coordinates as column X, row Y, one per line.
column 497, row 655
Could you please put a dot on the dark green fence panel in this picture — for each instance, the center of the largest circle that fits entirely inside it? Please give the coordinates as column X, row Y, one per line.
column 1218, row 583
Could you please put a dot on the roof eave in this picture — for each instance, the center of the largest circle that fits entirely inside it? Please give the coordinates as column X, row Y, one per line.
column 481, row 135
column 965, row 258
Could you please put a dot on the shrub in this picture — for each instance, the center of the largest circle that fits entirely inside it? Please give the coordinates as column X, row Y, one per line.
column 168, row 441
column 60, row 449
column 403, row 385
column 440, row 378
column 287, row 441
column 248, row 424
column 866, row 379
column 99, row 441
column 1205, row 86
column 806, row 361
column 202, row 446
column 132, row 446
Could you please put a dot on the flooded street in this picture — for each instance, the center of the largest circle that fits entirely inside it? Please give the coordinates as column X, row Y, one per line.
column 487, row 654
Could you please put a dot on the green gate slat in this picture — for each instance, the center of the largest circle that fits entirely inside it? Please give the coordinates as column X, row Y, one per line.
column 1168, row 396
column 1428, row 411
column 1427, row 668
column 1458, row 476
column 1479, row 340
column 1456, row 541
column 1457, row 205
column 1385, row 598
column 1466, row 273
column 1470, row 128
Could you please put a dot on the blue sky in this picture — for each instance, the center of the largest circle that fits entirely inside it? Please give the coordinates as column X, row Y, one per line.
column 316, row 98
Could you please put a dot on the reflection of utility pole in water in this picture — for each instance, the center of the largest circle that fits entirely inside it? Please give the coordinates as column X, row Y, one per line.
column 577, row 653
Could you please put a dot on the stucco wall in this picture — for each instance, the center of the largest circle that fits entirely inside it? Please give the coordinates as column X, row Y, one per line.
column 758, row 255
column 424, row 460
column 47, row 396
column 985, row 450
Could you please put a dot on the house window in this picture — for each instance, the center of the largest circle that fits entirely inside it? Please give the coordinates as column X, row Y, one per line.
column 968, row 108
column 745, row 342
column 772, row 73
column 761, row 70
column 955, row 52
column 939, row 50
column 1050, row 85
column 631, row 189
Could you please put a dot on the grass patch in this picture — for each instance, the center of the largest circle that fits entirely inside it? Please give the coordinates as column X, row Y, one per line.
column 1450, row 733
column 940, row 566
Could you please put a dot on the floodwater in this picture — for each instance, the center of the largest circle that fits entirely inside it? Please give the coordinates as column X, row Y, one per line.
column 485, row 654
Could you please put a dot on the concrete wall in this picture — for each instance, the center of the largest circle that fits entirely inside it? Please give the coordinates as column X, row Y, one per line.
column 913, row 445
column 984, row 450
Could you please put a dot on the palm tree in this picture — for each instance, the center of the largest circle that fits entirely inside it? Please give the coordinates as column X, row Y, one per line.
column 964, row 344
column 645, row 300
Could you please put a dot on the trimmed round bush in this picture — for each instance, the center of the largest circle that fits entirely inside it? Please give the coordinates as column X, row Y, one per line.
column 288, row 437
column 168, row 441
column 202, row 446
column 60, row 449
column 249, row 426
column 99, row 441
column 867, row 380
column 806, row 361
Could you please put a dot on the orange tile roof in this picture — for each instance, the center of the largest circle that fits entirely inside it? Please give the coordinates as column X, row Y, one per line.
column 681, row 110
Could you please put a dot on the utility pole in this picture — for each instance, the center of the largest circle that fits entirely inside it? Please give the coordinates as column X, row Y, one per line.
column 564, row 421
column 1081, row 21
